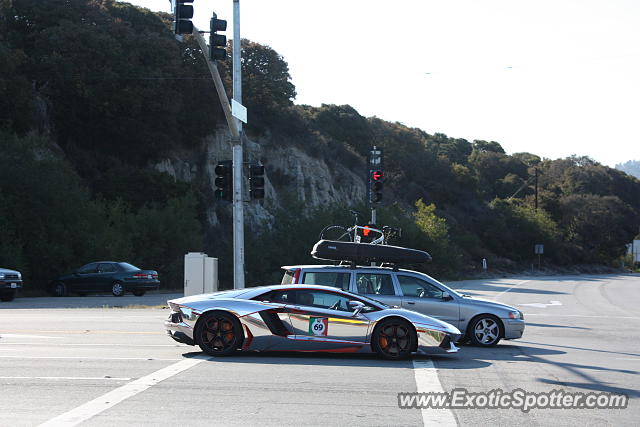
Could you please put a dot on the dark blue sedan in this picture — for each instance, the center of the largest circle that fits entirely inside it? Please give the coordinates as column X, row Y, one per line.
column 106, row 276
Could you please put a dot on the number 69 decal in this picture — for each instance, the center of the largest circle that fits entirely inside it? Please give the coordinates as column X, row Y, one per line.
column 318, row 326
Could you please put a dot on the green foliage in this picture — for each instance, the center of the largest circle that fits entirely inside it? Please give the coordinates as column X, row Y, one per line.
column 266, row 85
column 113, row 73
column 51, row 225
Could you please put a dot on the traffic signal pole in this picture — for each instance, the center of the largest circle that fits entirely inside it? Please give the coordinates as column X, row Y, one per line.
column 238, row 207
column 235, row 127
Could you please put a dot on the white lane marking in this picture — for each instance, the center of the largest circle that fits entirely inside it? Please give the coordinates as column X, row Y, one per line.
column 507, row 290
column 427, row 381
column 581, row 315
column 92, row 344
column 84, row 358
column 94, row 407
column 27, row 336
column 541, row 304
column 66, row 378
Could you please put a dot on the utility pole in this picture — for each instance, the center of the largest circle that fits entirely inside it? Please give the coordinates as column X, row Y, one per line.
column 238, row 207
column 536, row 205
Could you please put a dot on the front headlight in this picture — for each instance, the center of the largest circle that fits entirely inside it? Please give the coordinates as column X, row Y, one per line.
column 516, row 315
column 1, row 275
column 19, row 276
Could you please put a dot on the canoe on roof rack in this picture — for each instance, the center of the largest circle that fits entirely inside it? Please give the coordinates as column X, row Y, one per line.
column 364, row 253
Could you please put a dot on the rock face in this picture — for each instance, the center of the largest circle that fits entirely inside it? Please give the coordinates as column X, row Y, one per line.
column 288, row 170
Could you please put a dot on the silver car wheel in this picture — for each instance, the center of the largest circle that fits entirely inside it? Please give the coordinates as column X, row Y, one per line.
column 487, row 331
column 117, row 289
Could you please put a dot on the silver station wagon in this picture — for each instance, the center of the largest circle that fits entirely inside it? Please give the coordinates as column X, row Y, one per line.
column 482, row 322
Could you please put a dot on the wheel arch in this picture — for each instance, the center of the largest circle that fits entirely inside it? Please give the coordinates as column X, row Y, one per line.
column 393, row 316
column 473, row 319
column 209, row 311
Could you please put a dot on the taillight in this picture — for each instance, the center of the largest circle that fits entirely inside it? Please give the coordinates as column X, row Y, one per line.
column 142, row 276
column 296, row 275
column 155, row 276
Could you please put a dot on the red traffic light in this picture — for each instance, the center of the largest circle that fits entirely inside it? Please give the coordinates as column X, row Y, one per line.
column 377, row 176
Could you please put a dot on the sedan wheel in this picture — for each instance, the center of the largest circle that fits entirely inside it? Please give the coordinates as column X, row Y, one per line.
column 60, row 289
column 8, row 296
column 394, row 339
column 485, row 331
column 117, row 289
column 218, row 333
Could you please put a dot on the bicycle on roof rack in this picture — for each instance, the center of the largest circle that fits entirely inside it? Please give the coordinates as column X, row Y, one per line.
column 356, row 232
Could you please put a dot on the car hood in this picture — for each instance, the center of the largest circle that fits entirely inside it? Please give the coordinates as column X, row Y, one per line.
column 6, row 270
column 481, row 302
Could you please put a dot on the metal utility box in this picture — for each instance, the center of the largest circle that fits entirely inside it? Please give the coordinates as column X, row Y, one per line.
column 200, row 274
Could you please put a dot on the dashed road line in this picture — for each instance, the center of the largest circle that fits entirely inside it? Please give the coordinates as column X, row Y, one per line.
column 67, row 378
column 427, row 381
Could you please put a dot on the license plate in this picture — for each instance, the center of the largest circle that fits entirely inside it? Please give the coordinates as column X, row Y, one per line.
column 14, row 285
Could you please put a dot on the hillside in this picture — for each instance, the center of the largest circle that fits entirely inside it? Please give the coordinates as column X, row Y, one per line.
column 111, row 156
column 632, row 167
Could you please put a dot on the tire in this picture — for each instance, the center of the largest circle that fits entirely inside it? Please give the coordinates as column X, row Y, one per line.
column 59, row 289
column 394, row 339
column 117, row 289
column 485, row 331
column 218, row 333
column 8, row 296
column 138, row 293
column 335, row 232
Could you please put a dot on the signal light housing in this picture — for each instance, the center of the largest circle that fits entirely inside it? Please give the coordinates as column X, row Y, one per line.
column 376, row 179
column 224, row 180
column 216, row 40
column 256, row 181
column 182, row 14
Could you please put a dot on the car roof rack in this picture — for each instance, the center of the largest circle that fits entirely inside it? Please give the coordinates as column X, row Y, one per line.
column 365, row 253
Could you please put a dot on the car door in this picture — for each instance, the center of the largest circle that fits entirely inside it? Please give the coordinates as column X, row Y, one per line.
column 83, row 279
column 378, row 286
column 104, row 276
column 427, row 298
column 324, row 320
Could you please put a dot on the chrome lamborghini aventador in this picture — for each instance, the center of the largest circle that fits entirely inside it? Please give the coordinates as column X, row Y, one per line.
column 304, row 318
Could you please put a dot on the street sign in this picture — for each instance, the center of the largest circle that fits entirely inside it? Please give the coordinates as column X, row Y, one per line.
column 238, row 111
column 539, row 249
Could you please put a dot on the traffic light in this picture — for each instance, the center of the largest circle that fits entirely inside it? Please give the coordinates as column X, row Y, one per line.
column 216, row 40
column 224, row 180
column 182, row 14
column 376, row 181
column 256, row 181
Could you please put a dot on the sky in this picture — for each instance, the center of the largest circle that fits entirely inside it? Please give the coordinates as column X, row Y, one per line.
column 549, row 77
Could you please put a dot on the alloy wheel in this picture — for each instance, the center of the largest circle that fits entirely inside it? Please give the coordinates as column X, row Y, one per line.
column 486, row 331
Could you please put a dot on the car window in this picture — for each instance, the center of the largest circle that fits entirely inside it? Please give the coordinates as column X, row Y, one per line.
column 128, row 267
column 374, row 284
column 414, row 287
column 107, row 268
column 287, row 279
column 322, row 299
column 89, row 268
column 327, row 278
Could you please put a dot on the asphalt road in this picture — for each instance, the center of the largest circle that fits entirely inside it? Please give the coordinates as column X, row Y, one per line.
column 91, row 364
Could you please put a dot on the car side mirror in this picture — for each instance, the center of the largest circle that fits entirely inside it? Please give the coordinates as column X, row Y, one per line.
column 446, row 296
column 356, row 306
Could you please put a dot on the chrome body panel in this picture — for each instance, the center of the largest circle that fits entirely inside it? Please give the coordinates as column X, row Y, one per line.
column 287, row 327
